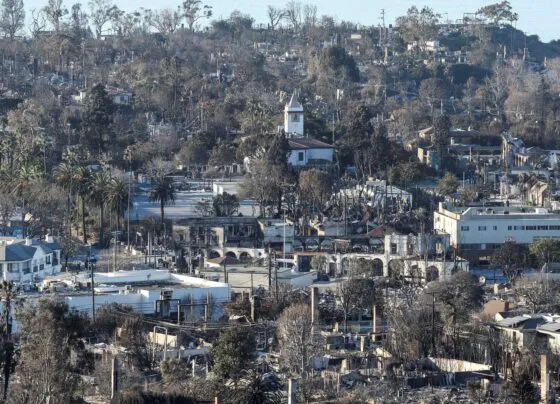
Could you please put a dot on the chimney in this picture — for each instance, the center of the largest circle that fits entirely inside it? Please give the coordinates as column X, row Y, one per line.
column 27, row 241
column 49, row 238
column 292, row 391
column 314, row 304
column 545, row 381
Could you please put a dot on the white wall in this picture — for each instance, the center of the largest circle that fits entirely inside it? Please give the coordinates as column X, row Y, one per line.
column 309, row 154
column 495, row 230
column 291, row 126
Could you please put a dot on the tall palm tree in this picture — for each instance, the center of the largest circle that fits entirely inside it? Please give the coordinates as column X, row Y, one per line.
column 6, row 289
column 64, row 176
column 117, row 198
column 20, row 182
column 163, row 192
column 98, row 190
column 81, row 179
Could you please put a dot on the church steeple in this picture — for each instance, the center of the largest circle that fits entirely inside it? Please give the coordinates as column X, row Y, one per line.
column 293, row 118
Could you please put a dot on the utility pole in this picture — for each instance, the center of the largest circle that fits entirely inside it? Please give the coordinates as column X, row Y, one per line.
column 92, row 292
column 433, row 321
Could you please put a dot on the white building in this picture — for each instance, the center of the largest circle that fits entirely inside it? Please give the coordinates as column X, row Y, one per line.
column 119, row 287
column 25, row 260
column 309, row 152
column 293, row 118
column 486, row 228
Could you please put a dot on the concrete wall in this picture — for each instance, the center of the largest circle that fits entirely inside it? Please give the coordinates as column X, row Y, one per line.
column 309, row 154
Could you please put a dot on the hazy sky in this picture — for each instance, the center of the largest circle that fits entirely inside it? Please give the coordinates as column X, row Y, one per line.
column 540, row 17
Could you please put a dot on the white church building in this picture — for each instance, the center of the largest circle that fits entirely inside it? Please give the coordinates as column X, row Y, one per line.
column 304, row 151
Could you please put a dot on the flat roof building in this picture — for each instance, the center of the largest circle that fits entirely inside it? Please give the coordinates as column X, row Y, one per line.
column 482, row 229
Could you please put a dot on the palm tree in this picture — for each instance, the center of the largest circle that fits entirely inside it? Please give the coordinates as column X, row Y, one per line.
column 81, row 181
column 117, row 198
column 64, row 176
column 257, row 389
column 98, row 190
column 20, row 182
column 6, row 289
column 163, row 192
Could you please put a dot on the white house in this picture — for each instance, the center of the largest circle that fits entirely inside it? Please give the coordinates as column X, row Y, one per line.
column 486, row 228
column 25, row 260
column 308, row 151
column 293, row 118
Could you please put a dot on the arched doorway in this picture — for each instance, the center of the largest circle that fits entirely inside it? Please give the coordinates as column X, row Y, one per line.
column 377, row 267
column 231, row 254
column 244, row 256
column 214, row 254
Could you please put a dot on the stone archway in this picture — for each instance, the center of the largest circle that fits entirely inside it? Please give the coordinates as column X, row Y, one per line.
column 231, row 254
column 377, row 267
column 432, row 274
column 214, row 254
column 244, row 256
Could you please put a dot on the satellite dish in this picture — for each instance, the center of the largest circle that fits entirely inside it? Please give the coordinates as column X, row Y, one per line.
column 482, row 280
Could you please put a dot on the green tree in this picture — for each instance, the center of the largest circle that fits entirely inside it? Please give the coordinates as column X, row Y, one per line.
column 117, row 197
column 499, row 12
column 545, row 251
column 12, row 17
column 99, row 183
column 232, row 352
column 255, row 388
column 225, row 205
column 52, row 355
column 447, row 185
column 510, row 257
column 163, row 192
column 98, row 120
column 440, row 137
column 333, row 62
column 418, row 25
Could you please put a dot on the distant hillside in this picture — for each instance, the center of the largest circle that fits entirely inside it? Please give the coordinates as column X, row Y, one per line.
column 466, row 38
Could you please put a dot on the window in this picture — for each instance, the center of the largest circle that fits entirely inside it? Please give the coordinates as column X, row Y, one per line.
column 300, row 156
column 518, row 227
column 542, row 227
column 464, row 228
column 530, row 228
column 12, row 267
column 553, row 227
column 48, row 259
column 495, row 227
column 393, row 248
column 481, row 228
column 295, row 117
column 509, row 227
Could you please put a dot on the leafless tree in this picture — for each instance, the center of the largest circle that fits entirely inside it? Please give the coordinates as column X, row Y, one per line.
column 274, row 15
column 298, row 344
column 293, row 14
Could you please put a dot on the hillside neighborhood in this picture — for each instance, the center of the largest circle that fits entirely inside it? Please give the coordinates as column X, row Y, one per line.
column 202, row 209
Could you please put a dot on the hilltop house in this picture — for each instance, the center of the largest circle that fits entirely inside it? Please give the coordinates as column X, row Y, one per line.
column 24, row 260
column 304, row 151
